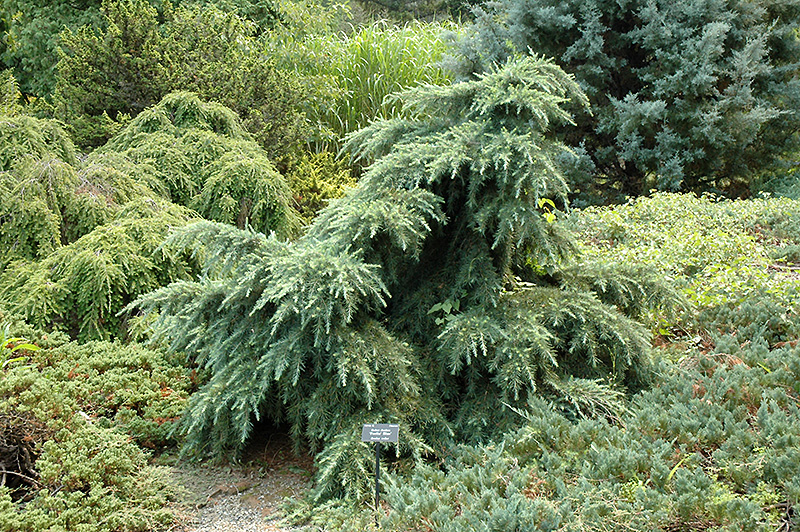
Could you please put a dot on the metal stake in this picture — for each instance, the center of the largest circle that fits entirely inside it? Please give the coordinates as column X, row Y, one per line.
column 377, row 480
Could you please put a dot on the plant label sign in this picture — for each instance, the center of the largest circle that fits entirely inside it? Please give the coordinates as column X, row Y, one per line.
column 380, row 432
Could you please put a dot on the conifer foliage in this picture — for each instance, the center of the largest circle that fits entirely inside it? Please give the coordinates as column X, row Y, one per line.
column 84, row 240
column 686, row 94
column 199, row 155
column 426, row 296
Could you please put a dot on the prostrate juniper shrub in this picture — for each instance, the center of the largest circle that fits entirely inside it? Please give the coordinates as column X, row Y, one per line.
column 74, row 421
column 714, row 445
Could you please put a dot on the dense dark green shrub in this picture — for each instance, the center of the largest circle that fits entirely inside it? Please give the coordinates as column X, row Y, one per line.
column 217, row 55
column 107, row 75
column 30, row 37
column 686, row 95
column 30, row 31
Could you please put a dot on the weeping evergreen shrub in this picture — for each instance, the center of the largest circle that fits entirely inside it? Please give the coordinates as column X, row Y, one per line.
column 80, row 287
column 201, row 155
column 23, row 136
column 46, row 198
column 434, row 292
column 83, row 239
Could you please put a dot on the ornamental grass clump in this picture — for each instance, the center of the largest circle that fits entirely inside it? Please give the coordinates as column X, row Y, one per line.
column 354, row 72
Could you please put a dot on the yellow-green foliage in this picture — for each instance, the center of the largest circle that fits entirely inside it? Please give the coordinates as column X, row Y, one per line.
column 201, row 155
column 24, row 136
column 78, row 201
column 245, row 189
column 92, row 478
column 9, row 94
column 353, row 73
column 719, row 251
column 137, row 390
column 28, row 229
column 81, row 286
column 735, row 261
column 316, row 179
column 79, row 411
column 94, row 228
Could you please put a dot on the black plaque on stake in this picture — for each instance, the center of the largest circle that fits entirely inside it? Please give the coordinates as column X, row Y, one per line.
column 377, row 433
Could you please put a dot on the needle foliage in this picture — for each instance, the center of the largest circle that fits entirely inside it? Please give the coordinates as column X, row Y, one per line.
column 202, row 157
column 689, row 95
column 429, row 295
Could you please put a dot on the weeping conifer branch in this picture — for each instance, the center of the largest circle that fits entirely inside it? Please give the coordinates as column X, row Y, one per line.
column 428, row 295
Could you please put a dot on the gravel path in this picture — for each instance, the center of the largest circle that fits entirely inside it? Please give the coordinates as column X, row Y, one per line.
column 233, row 513
column 246, row 497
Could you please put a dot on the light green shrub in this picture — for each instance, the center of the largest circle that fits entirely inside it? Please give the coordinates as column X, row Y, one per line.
column 315, row 179
column 713, row 446
column 82, row 286
column 722, row 254
column 92, row 478
column 202, row 156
